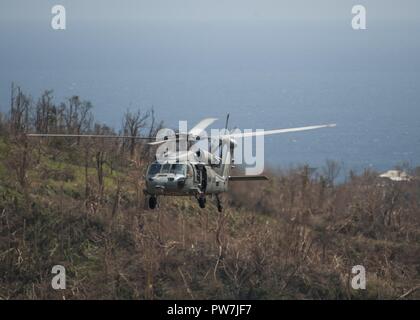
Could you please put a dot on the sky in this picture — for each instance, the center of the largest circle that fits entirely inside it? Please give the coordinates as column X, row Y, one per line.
column 39, row 10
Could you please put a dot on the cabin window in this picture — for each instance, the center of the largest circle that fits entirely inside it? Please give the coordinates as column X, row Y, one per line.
column 154, row 169
column 189, row 171
column 179, row 169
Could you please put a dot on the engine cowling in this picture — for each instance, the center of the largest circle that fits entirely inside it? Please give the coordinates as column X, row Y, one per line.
column 207, row 157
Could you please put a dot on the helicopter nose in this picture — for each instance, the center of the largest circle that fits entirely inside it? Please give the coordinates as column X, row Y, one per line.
column 162, row 182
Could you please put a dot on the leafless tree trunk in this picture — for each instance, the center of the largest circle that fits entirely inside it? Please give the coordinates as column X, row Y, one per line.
column 45, row 115
column 19, row 111
column 78, row 116
column 133, row 122
column 100, row 160
column 86, row 171
column 331, row 171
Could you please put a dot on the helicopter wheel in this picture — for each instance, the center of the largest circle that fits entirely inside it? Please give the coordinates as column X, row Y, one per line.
column 202, row 202
column 219, row 204
column 152, row 202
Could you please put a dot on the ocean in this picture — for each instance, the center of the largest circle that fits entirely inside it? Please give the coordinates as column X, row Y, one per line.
column 266, row 74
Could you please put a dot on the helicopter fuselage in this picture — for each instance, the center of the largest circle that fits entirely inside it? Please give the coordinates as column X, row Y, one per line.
column 183, row 179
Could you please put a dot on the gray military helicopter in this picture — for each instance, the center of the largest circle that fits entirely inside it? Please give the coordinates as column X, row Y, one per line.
column 194, row 171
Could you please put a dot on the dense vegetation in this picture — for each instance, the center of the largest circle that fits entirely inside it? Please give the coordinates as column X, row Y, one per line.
column 79, row 203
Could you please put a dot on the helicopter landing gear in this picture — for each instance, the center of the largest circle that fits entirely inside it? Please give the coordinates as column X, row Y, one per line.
column 219, row 204
column 152, row 202
column 202, row 201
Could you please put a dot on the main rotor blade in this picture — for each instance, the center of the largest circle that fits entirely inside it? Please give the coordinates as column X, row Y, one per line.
column 46, row 135
column 195, row 131
column 255, row 133
column 268, row 132
column 199, row 127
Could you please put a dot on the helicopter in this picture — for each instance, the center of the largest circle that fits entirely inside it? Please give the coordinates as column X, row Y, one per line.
column 193, row 171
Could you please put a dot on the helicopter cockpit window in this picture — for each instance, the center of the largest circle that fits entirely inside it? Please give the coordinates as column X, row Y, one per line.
column 154, row 168
column 179, row 169
column 166, row 167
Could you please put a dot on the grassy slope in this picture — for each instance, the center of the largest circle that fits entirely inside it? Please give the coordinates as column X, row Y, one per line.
column 291, row 244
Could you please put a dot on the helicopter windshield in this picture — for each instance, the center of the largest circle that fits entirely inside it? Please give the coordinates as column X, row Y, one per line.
column 179, row 169
column 166, row 167
column 154, row 168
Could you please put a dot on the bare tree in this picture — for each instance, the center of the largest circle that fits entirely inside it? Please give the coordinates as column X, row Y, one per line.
column 331, row 171
column 153, row 130
column 133, row 122
column 78, row 116
column 45, row 114
column 19, row 110
column 100, row 161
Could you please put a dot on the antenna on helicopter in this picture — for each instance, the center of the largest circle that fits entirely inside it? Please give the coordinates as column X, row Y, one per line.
column 220, row 140
column 227, row 121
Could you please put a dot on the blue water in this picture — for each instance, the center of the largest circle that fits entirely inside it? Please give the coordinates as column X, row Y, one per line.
column 266, row 74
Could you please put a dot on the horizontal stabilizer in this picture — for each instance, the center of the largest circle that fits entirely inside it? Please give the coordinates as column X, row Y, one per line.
column 247, row 178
